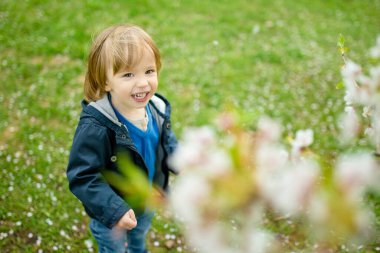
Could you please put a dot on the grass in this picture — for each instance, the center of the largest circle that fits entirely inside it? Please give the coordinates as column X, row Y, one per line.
column 277, row 58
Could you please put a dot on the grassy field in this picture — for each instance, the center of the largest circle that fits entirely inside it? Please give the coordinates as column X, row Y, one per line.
column 277, row 58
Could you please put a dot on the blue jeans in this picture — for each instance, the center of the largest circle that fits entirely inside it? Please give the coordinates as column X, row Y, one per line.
column 112, row 241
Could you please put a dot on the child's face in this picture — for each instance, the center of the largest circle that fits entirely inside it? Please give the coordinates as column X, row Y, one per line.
column 132, row 88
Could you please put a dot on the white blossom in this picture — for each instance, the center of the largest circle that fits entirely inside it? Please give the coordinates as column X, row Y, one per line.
column 189, row 193
column 354, row 173
column 289, row 189
column 348, row 98
column 199, row 151
column 269, row 129
column 366, row 111
column 304, row 138
column 375, row 51
column 350, row 124
column 270, row 157
column 260, row 241
column 351, row 70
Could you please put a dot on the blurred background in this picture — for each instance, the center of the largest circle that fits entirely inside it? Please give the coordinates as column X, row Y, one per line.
column 277, row 58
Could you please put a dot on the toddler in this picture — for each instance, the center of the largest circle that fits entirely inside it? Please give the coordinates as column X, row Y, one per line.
column 122, row 114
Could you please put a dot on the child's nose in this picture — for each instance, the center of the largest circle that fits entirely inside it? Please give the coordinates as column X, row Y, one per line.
column 142, row 81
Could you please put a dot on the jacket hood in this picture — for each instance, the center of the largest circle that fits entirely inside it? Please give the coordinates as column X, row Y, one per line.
column 160, row 105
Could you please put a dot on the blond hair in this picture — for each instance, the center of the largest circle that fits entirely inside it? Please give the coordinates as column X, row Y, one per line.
column 117, row 47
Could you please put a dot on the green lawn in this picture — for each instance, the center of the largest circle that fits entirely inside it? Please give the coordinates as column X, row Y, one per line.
column 277, row 58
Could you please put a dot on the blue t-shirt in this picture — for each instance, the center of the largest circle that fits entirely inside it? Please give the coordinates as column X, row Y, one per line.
column 145, row 141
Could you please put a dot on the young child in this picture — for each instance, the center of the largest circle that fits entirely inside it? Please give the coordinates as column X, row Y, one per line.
column 121, row 115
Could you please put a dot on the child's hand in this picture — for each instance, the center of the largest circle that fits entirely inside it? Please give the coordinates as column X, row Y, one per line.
column 128, row 221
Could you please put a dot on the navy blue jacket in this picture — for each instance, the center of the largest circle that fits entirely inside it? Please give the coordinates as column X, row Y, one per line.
column 98, row 140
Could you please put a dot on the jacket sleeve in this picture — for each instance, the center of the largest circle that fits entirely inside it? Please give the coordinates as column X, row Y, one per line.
column 89, row 155
column 170, row 145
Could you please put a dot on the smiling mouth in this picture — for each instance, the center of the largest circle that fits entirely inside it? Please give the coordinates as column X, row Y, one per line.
column 140, row 97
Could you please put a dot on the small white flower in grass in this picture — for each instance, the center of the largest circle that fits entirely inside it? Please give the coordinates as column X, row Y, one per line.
column 39, row 240
column 63, row 234
column 74, row 228
column 18, row 223
column 53, row 198
column 256, row 29
column 49, row 221
column 3, row 235
column 156, row 243
column 89, row 244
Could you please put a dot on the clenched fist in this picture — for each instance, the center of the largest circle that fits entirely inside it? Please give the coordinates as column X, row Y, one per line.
column 128, row 221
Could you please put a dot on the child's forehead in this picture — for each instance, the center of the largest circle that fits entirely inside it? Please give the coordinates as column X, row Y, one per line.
column 130, row 56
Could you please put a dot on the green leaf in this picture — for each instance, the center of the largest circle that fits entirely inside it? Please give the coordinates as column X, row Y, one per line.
column 339, row 85
column 131, row 182
column 341, row 41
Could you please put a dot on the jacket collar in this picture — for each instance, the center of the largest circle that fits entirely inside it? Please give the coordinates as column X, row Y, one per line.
column 102, row 109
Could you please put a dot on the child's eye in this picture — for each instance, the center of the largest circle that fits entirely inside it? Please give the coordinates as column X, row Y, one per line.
column 150, row 71
column 128, row 75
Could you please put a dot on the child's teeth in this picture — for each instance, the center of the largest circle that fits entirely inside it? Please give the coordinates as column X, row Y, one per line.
column 140, row 95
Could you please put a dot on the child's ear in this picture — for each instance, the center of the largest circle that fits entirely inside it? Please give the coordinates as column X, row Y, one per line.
column 107, row 87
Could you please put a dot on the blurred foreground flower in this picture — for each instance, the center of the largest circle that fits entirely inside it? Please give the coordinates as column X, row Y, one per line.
column 362, row 98
column 236, row 185
column 238, row 177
